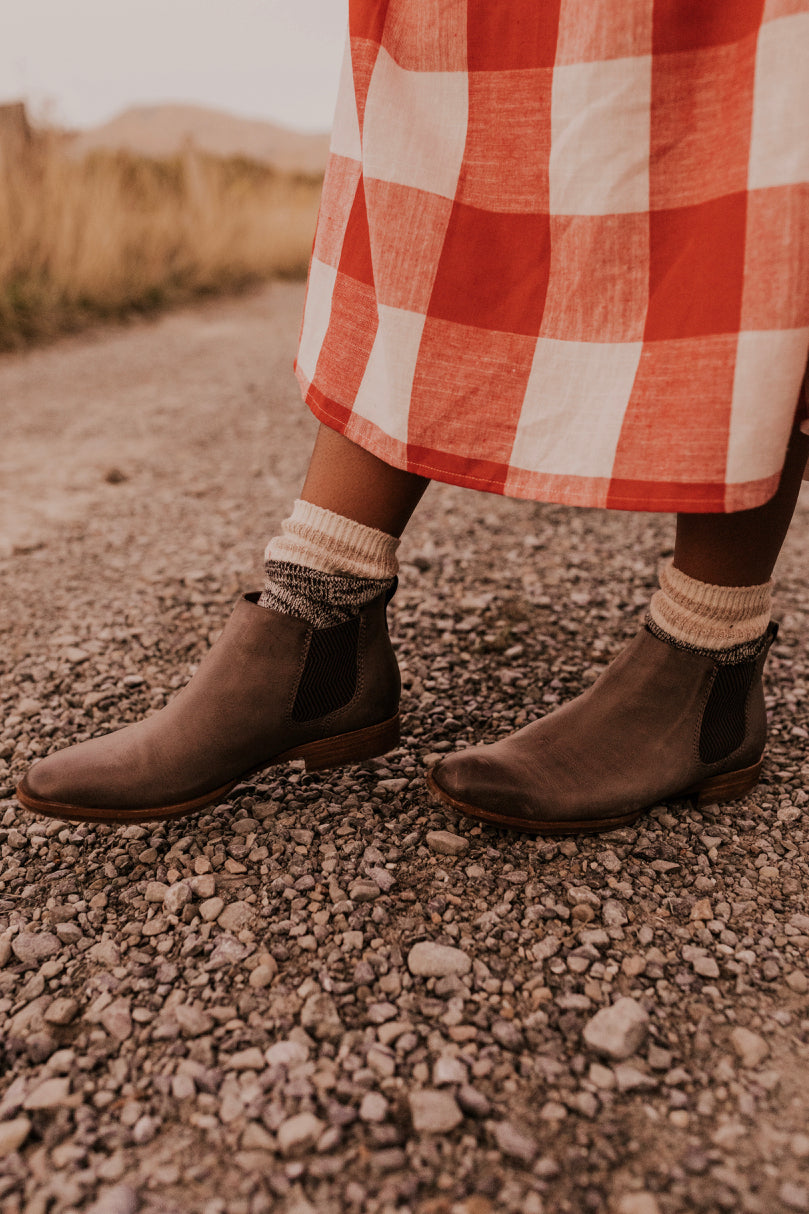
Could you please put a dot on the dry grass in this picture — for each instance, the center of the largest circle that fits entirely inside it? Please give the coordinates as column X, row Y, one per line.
column 112, row 234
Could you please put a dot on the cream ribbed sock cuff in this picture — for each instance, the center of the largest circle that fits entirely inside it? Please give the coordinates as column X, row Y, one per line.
column 703, row 616
column 320, row 539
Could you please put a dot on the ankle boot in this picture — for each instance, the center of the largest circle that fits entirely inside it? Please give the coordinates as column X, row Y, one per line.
column 271, row 689
column 662, row 722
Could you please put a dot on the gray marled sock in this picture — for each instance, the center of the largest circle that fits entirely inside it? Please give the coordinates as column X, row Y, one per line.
column 322, row 599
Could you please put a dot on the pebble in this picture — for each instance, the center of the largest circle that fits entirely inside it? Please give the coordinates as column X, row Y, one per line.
column 374, row 1107
column 286, row 1053
column 434, row 1112
column 428, row 960
column 118, row 1200
column 117, row 1020
column 32, row 948
column 236, row 916
column 751, row 1048
column 473, row 1102
column 638, row 1203
column 13, row 1134
column 299, row 1134
column 449, row 1070
column 193, row 1021
column 50, row 1094
column 320, row 1017
column 62, row 1011
column 706, row 967
column 211, row 909
column 364, row 891
column 617, row 1031
column 176, row 897
column 794, row 1196
column 445, row 843
column 263, row 975
column 513, row 1142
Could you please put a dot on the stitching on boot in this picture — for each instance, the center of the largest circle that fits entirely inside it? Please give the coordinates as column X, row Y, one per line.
column 329, row 678
column 724, row 719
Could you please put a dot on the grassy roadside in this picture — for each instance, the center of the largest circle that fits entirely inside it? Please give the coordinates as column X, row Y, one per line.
column 83, row 240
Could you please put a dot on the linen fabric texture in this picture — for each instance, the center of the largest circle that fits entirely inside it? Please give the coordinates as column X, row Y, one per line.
column 563, row 248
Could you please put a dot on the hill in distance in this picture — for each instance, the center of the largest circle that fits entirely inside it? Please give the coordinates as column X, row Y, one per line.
column 164, row 130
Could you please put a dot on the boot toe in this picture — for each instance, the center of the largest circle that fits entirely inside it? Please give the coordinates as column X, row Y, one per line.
column 474, row 781
column 55, row 780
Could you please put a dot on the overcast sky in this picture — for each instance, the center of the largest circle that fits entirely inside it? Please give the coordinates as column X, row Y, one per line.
column 89, row 59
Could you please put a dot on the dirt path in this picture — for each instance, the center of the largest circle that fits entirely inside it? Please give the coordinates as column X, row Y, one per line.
column 223, row 1015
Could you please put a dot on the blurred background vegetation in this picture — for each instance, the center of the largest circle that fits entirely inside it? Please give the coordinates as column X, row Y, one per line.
column 108, row 233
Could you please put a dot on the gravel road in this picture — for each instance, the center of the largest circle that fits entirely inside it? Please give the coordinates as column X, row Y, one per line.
column 330, row 995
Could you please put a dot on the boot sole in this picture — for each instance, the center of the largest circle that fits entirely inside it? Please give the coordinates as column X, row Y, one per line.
column 727, row 787
column 319, row 755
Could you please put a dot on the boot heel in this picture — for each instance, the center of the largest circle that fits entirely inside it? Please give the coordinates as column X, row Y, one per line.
column 727, row 787
column 353, row 747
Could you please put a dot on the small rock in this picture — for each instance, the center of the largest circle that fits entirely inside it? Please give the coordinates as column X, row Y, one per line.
column 702, row 910
column 394, row 786
column 473, row 1102
column 32, row 948
column 613, row 914
column 228, row 951
column 299, row 1134
column 706, row 967
column 117, row 1020
column 211, row 909
column 13, row 1134
column 445, row 843
column 320, row 1017
column 582, row 895
column 51, row 1094
column 638, row 1203
column 750, row 1047
column 155, row 891
column 74, row 655
column 263, row 974
column 251, row 1059
column 795, row 1196
column 364, row 891
column 176, row 897
column 798, row 982
column 448, row 1070
column 617, row 1031
column 434, row 1112
column 286, row 1053
column 62, row 1011
column 120, row 1200
column 799, row 1146
column 506, row 1033
column 203, row 886
column 374, row 1107
column 512, row 1142
column 193, row 1021
column 428, row 960
column 235, row 916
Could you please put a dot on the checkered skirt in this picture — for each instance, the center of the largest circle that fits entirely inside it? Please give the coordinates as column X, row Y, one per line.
column 563, row 247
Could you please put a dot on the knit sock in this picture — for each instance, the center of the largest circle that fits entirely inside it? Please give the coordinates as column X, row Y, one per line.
column 323, row 568
column 727, row 621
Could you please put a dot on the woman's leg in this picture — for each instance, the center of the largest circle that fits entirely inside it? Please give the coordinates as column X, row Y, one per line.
column 741, row 549
column 349, row 481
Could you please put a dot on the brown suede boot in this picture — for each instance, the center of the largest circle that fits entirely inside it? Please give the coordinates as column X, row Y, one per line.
column 271, row 689
column 661, row 722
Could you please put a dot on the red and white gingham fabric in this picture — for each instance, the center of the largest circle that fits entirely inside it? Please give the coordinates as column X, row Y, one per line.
column 563, row 248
